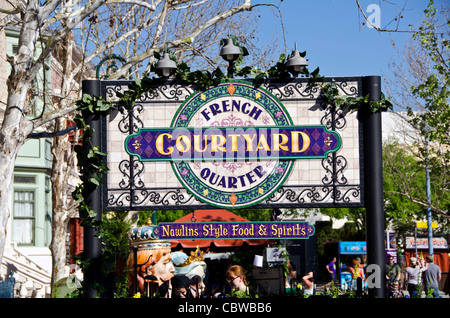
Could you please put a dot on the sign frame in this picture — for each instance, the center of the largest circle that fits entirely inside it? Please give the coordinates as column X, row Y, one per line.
column 333, row 185
column 369, row 189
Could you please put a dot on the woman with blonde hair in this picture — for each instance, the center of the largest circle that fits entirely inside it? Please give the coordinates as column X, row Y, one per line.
column 357, row 272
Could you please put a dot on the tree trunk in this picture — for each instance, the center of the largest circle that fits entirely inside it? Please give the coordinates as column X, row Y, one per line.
column 15, row 128
column 62, row 167
column 12, row 137
column 60, row 203
column 6, row 173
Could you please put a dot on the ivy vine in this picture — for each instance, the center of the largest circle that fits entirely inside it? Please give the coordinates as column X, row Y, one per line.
column 92, row 161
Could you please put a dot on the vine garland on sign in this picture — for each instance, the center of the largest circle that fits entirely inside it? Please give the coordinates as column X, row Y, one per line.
column 92, row 164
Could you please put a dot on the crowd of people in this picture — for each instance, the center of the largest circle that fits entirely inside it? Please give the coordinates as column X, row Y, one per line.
column 421, row 273
column 157, row 271
column 162, row 273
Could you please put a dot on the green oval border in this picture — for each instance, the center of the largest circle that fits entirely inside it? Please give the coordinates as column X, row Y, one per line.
column 252, row 192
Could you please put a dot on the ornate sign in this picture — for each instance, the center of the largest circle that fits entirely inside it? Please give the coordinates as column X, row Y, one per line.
column 232, row 146
column 234, row 230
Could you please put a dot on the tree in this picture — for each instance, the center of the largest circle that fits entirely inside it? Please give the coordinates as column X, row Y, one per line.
column 420, row 87
column 403, row 180
column 181, row 25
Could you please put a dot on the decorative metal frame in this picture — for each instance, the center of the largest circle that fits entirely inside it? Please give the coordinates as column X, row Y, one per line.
column 334, row 184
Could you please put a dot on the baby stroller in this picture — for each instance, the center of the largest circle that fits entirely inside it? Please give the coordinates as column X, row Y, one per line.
column 394, row 289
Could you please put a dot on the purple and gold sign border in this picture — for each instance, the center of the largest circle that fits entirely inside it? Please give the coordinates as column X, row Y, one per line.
column 143, row 144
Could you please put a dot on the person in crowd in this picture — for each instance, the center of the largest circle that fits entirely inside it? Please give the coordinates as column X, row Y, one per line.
column 291, row 274
column 446, row 288
column 331, row 268
column 197, row 286
column 393, row 270
column 357, row 271
column 308, row 282
column 412, row 278
column 193, row 267
column 181, row 286
column 235, row 276
column 431, row 276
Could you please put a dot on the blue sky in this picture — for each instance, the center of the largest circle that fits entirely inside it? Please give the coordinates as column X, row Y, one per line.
column 332, row 34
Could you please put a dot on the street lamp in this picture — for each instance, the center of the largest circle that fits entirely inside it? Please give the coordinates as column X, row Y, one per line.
column 427, row 176
column 166, row 65
column 296, row 63
column 230, row 53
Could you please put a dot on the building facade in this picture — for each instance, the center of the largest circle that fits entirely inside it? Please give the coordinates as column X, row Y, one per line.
column 27, row 252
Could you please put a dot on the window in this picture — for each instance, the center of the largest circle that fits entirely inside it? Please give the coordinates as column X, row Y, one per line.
column 23, row 221
column 24, row 179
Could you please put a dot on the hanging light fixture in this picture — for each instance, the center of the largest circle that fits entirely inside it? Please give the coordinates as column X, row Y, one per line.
column 296, row 63
column 230, row 53
column 166, row 65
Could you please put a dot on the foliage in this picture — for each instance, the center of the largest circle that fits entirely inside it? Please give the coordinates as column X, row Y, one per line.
column 351, row 104
column 255, row 215
column 402, row 174
column 115, row 249
column 90, row 159
column 171, row 215
column 433, row 122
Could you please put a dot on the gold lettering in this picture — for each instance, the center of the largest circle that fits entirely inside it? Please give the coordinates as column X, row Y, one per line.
column 186, row 141
column 263, row 140
column 277, row 145
column 197, row 143
column 165, row 231
column 215, row 145
column 160, row 144
column 234, row 142
column 249, row 142
column 295, row 141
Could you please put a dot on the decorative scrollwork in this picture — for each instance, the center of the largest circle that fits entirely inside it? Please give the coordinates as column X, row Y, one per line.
column 347, row 195
column 112, row 90
column 333, row 119
column 298, row 89
column 161, row 197
column 167, row 92
column 118, row 201
column 316, row 194
column 334, row 167
column 136, row 119
column 131, row 120
column 347, row 89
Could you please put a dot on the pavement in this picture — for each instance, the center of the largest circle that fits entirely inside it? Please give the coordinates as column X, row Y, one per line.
column 441, row 293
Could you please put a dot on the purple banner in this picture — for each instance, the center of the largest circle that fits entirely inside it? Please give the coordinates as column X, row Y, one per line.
column 232, row 143
column 234, row 230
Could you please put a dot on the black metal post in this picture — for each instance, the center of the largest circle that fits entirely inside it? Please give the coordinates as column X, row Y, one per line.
column 230, row 70
column 92, row 244
column 373, row 185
